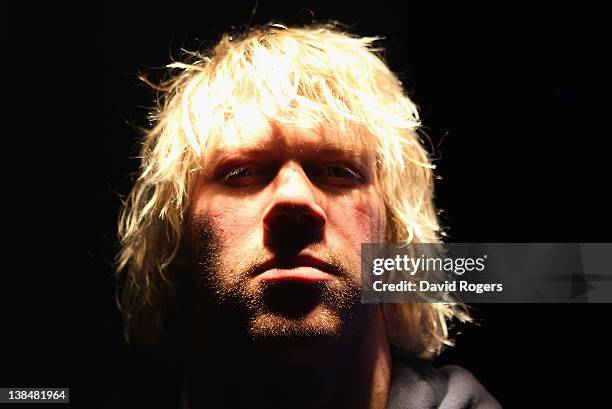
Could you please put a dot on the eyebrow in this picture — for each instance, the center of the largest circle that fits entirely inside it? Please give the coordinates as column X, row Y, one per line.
column 261, row 146
column 347, row 150
column 333, row 146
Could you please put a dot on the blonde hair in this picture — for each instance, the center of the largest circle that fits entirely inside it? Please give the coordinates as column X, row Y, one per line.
column 318, row 74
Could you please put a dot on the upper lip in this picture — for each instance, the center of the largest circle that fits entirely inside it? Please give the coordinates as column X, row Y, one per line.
column 301, row 260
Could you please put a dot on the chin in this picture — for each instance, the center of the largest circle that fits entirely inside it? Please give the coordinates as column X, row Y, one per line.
column 296, row 343
column 317, row 325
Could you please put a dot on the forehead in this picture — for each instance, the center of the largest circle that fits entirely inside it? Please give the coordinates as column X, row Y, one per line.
column 261, row 134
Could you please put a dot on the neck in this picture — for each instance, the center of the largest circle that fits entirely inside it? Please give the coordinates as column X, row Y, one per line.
column 353, row 371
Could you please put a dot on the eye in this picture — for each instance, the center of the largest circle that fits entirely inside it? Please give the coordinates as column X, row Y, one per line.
column 241, row 176
column 339, row 171
column 339, row 175
column 242, row 171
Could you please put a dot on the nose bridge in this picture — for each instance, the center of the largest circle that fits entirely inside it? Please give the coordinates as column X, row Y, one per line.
column 293, row 185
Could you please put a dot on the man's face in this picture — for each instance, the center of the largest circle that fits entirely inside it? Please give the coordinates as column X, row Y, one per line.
column 275, row 224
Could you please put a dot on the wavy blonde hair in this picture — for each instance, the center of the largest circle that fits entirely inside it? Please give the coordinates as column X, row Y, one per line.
column 316, row 72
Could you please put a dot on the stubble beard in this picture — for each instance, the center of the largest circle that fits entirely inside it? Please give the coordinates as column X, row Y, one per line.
column 278, row 312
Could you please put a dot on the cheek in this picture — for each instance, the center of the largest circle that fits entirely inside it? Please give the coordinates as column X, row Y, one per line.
column 354, row 220
column 357, row 218
column 233, row 220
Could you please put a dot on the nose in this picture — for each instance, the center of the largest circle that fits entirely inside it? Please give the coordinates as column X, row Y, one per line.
column 294, row 204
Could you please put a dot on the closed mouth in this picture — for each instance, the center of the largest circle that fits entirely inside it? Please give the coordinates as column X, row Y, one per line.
column 301, row 268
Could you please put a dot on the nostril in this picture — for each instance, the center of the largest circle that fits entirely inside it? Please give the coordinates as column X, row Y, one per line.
column 312, row 221
column 276, row 220
column 281, row 218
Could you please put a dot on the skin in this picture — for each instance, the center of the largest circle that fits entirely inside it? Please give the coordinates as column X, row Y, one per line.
column 279, row 193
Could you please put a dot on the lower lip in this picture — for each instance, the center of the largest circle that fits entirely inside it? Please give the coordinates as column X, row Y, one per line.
column 303, row 274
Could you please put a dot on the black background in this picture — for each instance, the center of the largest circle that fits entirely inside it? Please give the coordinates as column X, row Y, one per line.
column 513, row 99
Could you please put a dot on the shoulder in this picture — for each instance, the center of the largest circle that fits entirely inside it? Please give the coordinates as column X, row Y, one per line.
column 417, row 384
column 464, row 390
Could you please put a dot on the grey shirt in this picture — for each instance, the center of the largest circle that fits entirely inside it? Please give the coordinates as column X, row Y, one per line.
column 416, row 384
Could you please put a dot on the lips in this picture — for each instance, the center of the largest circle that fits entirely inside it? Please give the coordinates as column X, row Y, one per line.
column 301, row 268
